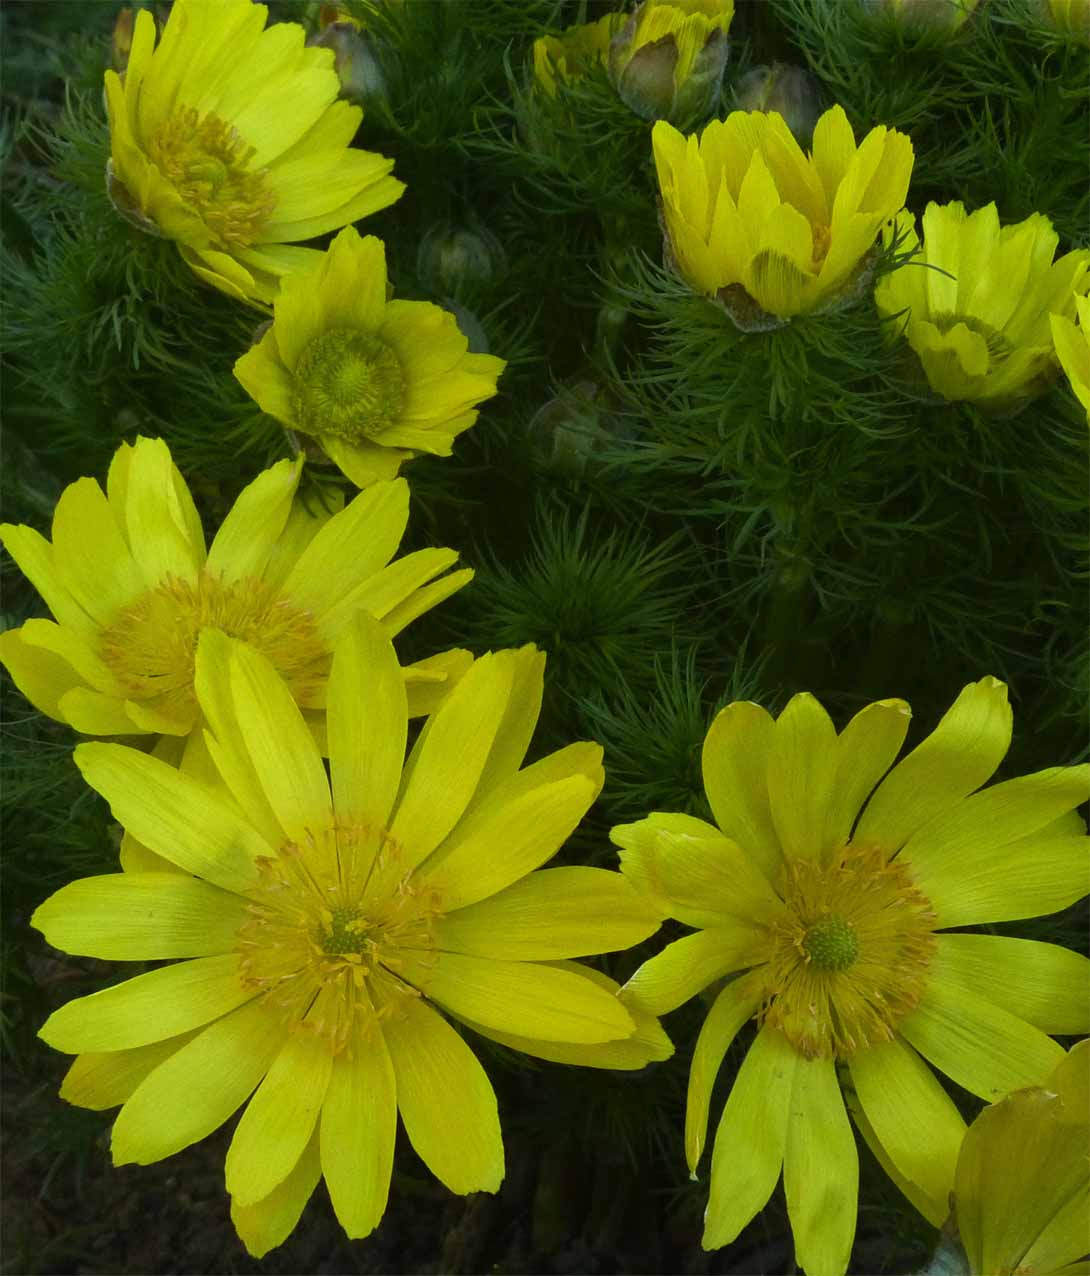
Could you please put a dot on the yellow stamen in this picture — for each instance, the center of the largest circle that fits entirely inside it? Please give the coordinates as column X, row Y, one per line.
column 206, row 162
column 151, row 646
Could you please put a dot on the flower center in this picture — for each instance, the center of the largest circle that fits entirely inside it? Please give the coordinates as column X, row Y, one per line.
column 998, row 346
column 151, row 647
column 349, row 385
column 206, row 161
column 327, row 924
column 849, row 954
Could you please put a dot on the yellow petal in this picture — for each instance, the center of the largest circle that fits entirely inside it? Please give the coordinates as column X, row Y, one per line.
column 254, row 523
column 551, row 914
column 140, row 917
column 735, row 762
column 912, row 1119
column 280, row 1118
column 43, row 677
column 35, row 558
column 197, row 1087
column 365, row 463
column 1043, row 984
column 160, row 520
column 820, row 1171
column 358, row 1127
column 690, row 964
column 865, row 750
column 90, row 555
column 105, row 1080
column 148, row 1008
column 980, row 1045
column 445, row 1099
column 751, row 1138
column 174, row 814
column 516, row 728
column 801, row 772
column 269, row 1222
column 730, row 1010
column 384, row 594
column 954, row 760
column 424, row 599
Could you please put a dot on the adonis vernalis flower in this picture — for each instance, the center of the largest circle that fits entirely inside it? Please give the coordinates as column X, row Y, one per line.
column 830, row 907
column 131, row 588
column 976, row 304
column 320, row 924
column 1073, row 349
column 575, row 51
column 767, row 230
column 373, row 381
column 1022, row 1188
column 229, row 139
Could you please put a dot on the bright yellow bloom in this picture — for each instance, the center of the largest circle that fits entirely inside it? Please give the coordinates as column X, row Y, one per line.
column 230, row 140
column 1022, row 1189
column 667, row 61
column 752, row 221
column 574, row 52
column 975, row 304
column 832, row 916
column 1072, row 17
column 132, row 588
column 373, row 381
column 1072, row 346
column 319, row 923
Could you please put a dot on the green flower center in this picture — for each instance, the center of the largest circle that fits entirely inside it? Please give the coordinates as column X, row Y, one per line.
column 345, row 932
column 348, row 385
column 831, row 944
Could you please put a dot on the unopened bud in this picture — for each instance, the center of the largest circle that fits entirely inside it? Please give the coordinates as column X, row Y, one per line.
column 456, row 260
column 122, row 40
column 358, row 69
column 920, row 17
column 667, row 61
column 788, row 90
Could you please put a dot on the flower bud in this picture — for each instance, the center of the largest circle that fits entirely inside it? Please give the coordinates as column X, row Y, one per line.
column 122, row 40
column 923, row 17
column 667, row 61
column 789, row 90
column 358, row 69
column 455, row 260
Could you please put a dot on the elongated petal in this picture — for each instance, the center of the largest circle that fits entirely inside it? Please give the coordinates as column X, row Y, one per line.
column 519, row 720
column 254, row 523
column 269, row 1222
column 445, row 1099
column 1044, row 984
column 820, row 1171
column 690, row 964
column 980, row 1045
column 41, row 676
column 953, row 761
column 91, row 558
column 551, row 914
column 280, row 1118
column 735, row 762
column 508, row 841
column 101, row 1080
column 865, row 751
column 160, row 521
column 35, row 558
column 912, row 1118
column 173, row 814
column 367, row 720
column 198, row 1087
column 359, row 1122
column 692, row 871
column 151, row 1007
column 140, row 917
column 801, row 772
column 730, row 1010
column 751, row 1138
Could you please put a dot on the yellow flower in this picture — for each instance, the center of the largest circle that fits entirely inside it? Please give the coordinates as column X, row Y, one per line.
column 1073, row 350
column 131, row 588
column 316, row 925
column 832, row 916
column 373, row 381
column 667, row 61
column 230, row 140
column 751, row 219
column 574, row 52
column 1022, row 1189
column 975, row 304
column 1071, row 17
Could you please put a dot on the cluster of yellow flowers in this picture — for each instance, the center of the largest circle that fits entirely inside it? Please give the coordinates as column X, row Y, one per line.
column 326, row 906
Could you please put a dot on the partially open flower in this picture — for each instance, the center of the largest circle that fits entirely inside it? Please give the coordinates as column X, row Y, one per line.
column 766, row 230
column 229, row 139
column 919, row 17
column 1073, row 350
column 572, row 53
column 667, row 60
column 789, row 90
column 976, row 304
column 371, row 380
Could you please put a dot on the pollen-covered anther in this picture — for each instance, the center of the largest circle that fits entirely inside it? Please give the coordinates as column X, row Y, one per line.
column 326, row 926
column 151, row 646
column 207, row 163
column 849, row 952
